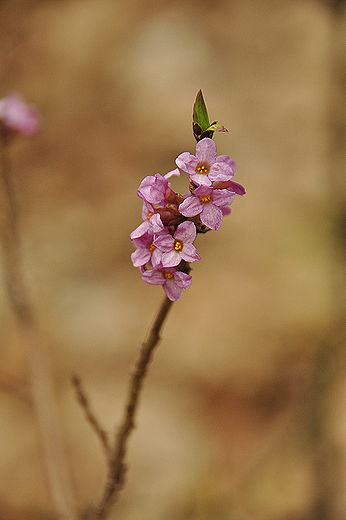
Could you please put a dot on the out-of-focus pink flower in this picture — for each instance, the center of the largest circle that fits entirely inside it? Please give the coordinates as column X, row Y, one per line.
column 207, row 203
column 18, row 117
column 179, row 246
column 206, row 166
column 172, row 281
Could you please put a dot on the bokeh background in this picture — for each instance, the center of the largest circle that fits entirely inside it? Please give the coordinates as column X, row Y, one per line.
column 243, row 413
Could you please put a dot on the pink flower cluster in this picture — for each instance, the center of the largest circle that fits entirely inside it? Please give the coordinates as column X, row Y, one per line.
column 164, row 240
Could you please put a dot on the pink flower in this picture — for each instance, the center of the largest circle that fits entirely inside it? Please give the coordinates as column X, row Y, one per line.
column 208, row 204
column 155, row 188
column 206, row 167
column 18, row 117
column 152, row 222
column 172, row 281
column 179, row 246
column 146, row 251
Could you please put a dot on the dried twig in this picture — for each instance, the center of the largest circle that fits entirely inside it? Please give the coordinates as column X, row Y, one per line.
column 117, row 466
column 91, row 417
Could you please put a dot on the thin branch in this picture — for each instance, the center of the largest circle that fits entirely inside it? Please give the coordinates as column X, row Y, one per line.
column 91, row 418
column 40, row 365
column 117, row 467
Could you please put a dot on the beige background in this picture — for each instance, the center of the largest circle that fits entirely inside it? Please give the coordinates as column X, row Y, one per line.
column 243, row 414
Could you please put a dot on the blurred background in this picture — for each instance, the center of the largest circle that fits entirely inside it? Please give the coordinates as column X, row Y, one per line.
column 243, row 412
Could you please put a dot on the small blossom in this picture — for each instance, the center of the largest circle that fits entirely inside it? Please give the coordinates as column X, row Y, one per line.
column 146, row 251
column 152, row 224
column 207, row 203
column 18, row 117
column 172, row 281
column 153, row 189
column 179, row 246
column 206, row 167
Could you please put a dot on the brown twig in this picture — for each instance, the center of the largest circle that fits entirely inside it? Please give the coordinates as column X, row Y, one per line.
column 91, row 417
column 117, row 466
column 40, row 367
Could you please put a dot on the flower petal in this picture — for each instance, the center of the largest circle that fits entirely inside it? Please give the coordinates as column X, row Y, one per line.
column 200, row 179
column 226, row 210
column 175, row 172
column 140, row 230
column 189, row 253
column 164, row 242
column 186, row 162
column 190, row 207
column 155, row 223
column 154, row 276
column 147, row 209
column 140, row 257
column 211, row 216
column 186, row 232
column 171, row 258
column 206, row 151
column 226, row 159
column 182, row 279
column 220, row 172
column 172, row 290
column 237, row 188
column 156, row 257
column 223, row 197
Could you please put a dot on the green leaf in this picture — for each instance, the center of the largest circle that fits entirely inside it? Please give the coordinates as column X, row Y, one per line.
column 201, row 126
column 200, row 114
column 216, row 127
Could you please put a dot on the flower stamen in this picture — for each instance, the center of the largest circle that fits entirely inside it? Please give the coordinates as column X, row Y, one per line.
column 169, row 276
column 178, row 245
column 205, row 198
column 203, row 168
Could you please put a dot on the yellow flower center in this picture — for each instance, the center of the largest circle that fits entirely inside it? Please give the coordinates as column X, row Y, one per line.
column 152, row 247
column 202, row 168
column 169, row 276
column 178, row 246
column 205, row 199
column 150, row 214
